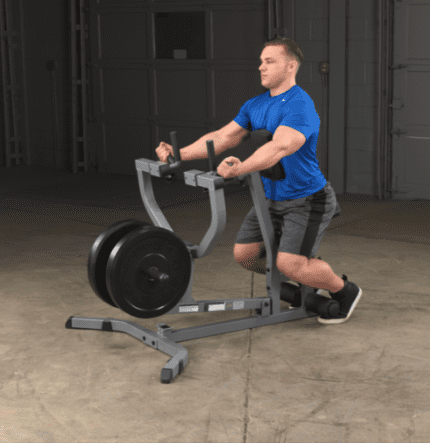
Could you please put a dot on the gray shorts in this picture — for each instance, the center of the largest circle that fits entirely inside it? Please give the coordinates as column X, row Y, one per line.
column 299, row 224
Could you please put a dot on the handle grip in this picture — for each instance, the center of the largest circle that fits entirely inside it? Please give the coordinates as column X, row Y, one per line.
column 170, row 159
column 171, row 177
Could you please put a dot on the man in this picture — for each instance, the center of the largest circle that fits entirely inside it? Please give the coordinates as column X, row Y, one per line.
column 302, row 202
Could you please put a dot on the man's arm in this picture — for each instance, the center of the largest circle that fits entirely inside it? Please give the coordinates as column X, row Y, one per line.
column 286, row 141
column 225, row 138
column 263, row 158
column 198, row 150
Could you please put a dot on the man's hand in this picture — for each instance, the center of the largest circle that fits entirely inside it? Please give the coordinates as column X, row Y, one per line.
column 226, row 171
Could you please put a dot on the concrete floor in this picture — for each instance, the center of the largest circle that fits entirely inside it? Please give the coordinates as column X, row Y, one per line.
column 366, row 380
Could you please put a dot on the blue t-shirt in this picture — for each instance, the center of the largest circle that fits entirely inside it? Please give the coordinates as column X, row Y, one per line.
column 293, row 108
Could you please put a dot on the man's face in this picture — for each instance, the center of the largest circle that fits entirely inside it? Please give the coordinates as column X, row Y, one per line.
column 275, row 67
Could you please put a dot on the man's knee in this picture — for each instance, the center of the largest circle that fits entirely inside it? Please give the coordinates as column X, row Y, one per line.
column 248, row 252
column 248, row 257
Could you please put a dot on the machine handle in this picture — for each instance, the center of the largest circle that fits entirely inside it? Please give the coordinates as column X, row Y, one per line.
column 171, row 177
column 211, row 157
column 261, row 135
column 171, row 160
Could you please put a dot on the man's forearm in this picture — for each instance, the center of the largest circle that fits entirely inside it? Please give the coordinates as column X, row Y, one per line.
column 263, row 158
column 198, row 149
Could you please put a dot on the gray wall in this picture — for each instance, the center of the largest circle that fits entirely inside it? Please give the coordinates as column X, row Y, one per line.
column 46, row 27
column 362, row 99
column 47, row 38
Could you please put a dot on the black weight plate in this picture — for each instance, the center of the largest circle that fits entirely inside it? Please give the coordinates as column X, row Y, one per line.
column 129, row 286
column 99, row 255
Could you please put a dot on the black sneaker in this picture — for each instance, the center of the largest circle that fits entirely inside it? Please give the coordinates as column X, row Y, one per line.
column 348, row 297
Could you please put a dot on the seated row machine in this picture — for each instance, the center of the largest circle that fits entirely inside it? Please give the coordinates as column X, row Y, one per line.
column 147, row 270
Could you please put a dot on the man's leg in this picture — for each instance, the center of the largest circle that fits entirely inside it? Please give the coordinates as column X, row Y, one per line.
column 310, row 272
column 319, row 274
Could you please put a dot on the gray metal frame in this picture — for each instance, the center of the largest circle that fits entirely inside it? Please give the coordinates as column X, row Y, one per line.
column 267, row 309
